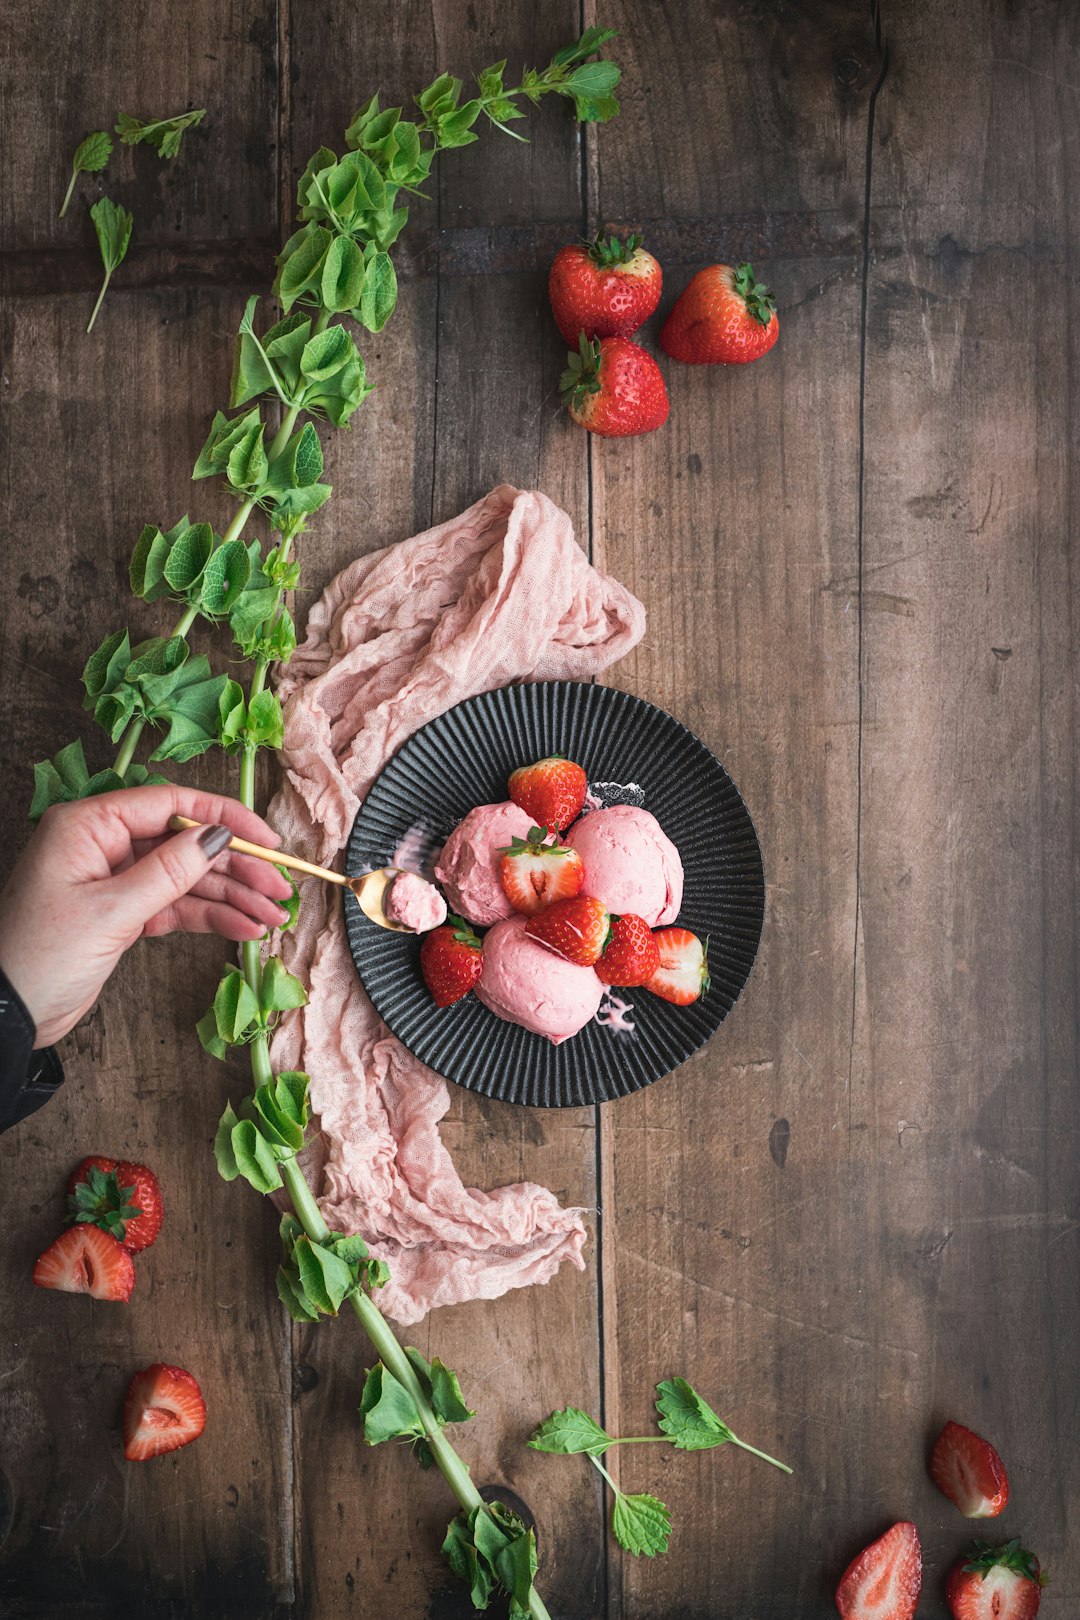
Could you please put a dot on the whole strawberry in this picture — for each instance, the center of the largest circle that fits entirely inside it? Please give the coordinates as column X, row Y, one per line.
column 613, row 388
column 451, row 959
column 552, row 790
column 631, row 955
column 535, row 872
column 576, row 929
column 725, row 317
column 995, row 1583
column 122, row 1198
column 604, row 288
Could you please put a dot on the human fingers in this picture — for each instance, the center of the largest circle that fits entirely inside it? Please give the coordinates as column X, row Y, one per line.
column 110, row 822
column 220, row 886
column 247, row 869
column 192, row 914
column 128, row 900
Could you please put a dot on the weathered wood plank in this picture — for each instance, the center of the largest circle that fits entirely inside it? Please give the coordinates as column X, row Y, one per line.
column 462, row 405
column 727, row 1256
column 85, row 466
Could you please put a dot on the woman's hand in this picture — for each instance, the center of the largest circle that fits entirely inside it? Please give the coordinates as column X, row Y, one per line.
column 100, row 873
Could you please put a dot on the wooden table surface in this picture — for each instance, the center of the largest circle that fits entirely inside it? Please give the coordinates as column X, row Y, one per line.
column 855, row 1214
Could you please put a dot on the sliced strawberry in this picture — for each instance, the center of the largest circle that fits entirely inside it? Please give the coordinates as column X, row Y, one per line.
column 552, row 791
column 534, row 872
column 451, row 960
column 883, row 1582
column 123, row 1199
column 683, row 974
column 968, row 1470
column 577, row 929
column 995, row 1583
column 163, row 1410
column 86, row 1260
column 631, row 955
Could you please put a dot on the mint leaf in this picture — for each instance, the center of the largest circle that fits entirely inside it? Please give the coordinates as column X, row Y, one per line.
column 641, row 1524
column 91, row 156
column 164, row 134
column 690, row 1421
column 568, row 1432
column 112, row 225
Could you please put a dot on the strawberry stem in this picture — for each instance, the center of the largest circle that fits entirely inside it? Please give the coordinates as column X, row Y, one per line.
column 759, row 301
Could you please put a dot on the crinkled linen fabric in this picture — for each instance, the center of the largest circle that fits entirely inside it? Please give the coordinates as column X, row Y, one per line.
column 502, row 593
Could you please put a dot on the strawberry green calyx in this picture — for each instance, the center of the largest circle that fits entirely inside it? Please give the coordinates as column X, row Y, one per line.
column 582, row 374
column 609, row 251
column 758, row 299
column 464, row 932
column 535, row 843
column 101, row 1201
column 984, row 1558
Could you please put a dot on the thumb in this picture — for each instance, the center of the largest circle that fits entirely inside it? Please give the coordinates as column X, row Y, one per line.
column 162, row 877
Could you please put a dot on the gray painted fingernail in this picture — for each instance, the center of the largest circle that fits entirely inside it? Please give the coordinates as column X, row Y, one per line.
column 213, row 840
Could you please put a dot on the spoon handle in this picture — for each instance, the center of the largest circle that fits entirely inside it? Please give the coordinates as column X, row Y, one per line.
column 275, row 856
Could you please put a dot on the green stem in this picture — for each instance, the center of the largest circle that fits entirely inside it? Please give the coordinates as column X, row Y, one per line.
column 764, row 1455
column 67, row 194
column 100, row 297
column 598, row 1464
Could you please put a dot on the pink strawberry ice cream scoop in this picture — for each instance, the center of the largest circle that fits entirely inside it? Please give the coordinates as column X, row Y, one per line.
column 415, row 903
column 468, row 867
column 525, row 983
column 630, row 863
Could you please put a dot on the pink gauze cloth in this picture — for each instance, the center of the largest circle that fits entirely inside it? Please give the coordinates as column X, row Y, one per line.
column 502, row 593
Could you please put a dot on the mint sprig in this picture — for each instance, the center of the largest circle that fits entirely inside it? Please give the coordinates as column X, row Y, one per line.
column 164, row 134
column 113, row 227
column 642, row 1524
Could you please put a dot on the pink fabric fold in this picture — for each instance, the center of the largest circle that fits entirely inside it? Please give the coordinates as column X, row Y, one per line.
column 502, row 593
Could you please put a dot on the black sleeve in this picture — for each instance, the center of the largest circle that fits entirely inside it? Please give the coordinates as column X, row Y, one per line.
column 27, row 1078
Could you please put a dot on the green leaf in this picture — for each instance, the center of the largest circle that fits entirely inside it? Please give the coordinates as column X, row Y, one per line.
column 338, row 396
column 224, row 436
column 162, row 133
column 247, row 465
column 228, row 1169
column 326, row 353
column 292, row 1296
column 516, row 1565
column 323, row 160
column 641, row 1524
column 224, row 579
column 188, row 556
column 106, row 665
column 113, row 227
column 447, row 1400
column 440, row 96
column 209, row 1039
column 91, row 155
column 301, row 461
column 379, row 294
column 387, row 1409
column 146, row 571
column 568, row 1432
column 691, row 1422
column 362, row 121
column 291, row 1088
column 235, row 1008
column 324, row 1275
column 279, row 1128
column 349, row 1247
column 293, row 503
column 591, row 41
column 461, row 1555
column 192, row 713
column 281, row 991
column 342, row 275
column 254, row 1157
column 265, row 728
column 594, row 79
column 301, row 263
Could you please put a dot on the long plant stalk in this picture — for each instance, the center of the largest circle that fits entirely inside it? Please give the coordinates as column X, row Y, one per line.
column 338, row 263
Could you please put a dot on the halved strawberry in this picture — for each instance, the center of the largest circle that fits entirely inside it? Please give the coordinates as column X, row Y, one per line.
column 995, row 1583
column 163, row 1410
column 124, row 1199
column 683, row 974
column 451, row 960
column 884, row 1581
column 576, row 929
column 968, row 1470
column 86, row 1260
column 534, row 872
column 631, row 955
column 552, row 791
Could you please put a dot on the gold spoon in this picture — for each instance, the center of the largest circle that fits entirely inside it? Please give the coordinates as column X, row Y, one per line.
column 369, row 888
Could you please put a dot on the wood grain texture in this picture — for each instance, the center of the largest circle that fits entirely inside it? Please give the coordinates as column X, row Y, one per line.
column 856, row 1213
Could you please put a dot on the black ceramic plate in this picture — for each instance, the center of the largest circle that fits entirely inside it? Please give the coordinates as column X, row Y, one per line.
column 464, row 758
